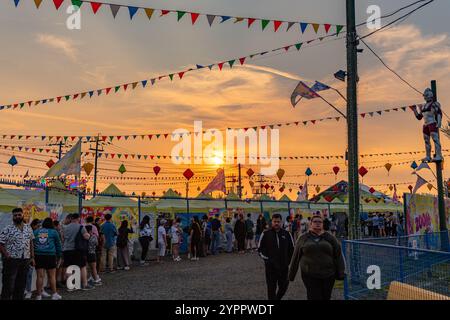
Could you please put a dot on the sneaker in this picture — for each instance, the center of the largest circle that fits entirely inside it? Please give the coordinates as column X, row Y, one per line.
column 88, row 287
column 56, row 296
column 98, row 282
column 38, row 297
column 126, row 268
column 28, row 294
column 189, row 255
column 45, row 294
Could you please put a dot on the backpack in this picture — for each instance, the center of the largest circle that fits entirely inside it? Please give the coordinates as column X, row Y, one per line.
column 81, row 244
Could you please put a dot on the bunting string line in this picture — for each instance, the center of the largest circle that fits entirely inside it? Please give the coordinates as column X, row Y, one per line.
column 152, row 12
column 151, row 136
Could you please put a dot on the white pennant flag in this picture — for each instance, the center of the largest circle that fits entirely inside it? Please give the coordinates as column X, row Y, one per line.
column 423, row 165
column 420, row 182
column 303, row 195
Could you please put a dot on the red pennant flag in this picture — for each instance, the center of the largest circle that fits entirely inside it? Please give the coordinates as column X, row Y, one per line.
column 150, row 137
column 242, row 60
column 164, row 12
column 95, row 6
column 125, row 86
column 250, row 21
column 220, row 65
column 180, row 74
column 165, row 135
column 327, row 27
column 363, row 115
column 75, row 96
column 276, row 25
column 58, row 99
column 194, row 17
column 58, row 3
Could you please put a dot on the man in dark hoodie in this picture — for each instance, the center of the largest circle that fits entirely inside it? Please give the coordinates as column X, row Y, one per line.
column 276, row 248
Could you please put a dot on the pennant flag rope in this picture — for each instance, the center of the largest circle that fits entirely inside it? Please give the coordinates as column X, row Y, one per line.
column 108, row 90
column 133, row 10
column 166, row 135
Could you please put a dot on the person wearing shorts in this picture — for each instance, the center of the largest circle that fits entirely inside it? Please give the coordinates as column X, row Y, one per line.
column 47, row 248
column 162, row 240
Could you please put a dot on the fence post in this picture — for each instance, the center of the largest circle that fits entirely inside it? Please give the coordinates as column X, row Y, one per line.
column 46, row 195
column 344, row 251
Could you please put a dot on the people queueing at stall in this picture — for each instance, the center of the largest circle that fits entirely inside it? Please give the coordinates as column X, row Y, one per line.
column 47, row 248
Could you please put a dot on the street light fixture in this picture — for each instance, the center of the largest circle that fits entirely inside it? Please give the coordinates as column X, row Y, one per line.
column 341, row 75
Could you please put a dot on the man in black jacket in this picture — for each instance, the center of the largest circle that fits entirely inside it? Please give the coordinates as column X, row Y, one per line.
column 276, row 248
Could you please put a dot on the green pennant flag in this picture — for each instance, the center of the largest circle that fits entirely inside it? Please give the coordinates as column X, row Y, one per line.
column 40, row 150
column 159, row 157
column 111, row 138
column 157, row 136
column 180, row 14
column 299, row 45
column 338, row 29
column 231, row 62
column 65, row 139
column 264, row 23
column 77, row 3
column 22, row 104
column 119, row 155
column 67, row 98
column 116, row 88
column 171, row 76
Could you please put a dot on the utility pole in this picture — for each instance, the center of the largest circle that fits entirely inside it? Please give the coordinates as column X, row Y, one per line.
column 352, row 122
column 440, row 188
column 239, row 182
column 95, row 166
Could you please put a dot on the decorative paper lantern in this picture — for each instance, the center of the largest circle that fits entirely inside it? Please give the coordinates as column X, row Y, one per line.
column 153, row 193
column 329, row 198
column 362, row 171
column 317, row 189
column 266, row 186
column 308, row 172
column 281, row 189
column 252, row 184
column 388, row 167
column 87, row 167
column 372, row 190
column 290, row 189
column 188, row 174
column 50, row 163
column 336, row 170
column 156, row 170
column 198, row 189
column 13, row 161
column 429, row 186
column 250, row 172
column 414, row 165
column 143, row 194
column 391, row 187
column 122, row 169
column 410, row 187
column 280, row 174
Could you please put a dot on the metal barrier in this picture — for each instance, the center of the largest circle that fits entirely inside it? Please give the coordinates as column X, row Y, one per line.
column 421, row 268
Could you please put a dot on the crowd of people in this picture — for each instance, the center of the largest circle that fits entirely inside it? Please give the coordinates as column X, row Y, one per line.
column 380, row 224
column 96, row 246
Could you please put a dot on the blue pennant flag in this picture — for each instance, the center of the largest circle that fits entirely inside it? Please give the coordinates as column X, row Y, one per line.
column 16, row 2
column 224, row 18
column 303, row 26
column 144, row 83
column 91, row 93
column 200, row 67
column 132, row 11
column 319, row 86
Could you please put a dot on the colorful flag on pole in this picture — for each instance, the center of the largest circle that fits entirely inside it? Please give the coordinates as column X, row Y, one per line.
column 423, row 165
column 217, row 184
column 319, row 86
column 70, row 164
column 303, row 91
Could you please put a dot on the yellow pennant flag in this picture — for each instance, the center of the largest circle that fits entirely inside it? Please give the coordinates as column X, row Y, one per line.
column 37, row 3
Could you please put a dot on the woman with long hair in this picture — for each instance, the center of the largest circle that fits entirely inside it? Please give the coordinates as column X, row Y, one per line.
column 123, row 254
column 47, row 249
column 195, row 238
column 145, row 237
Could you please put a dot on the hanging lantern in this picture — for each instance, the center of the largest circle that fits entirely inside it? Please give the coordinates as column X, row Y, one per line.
column 198, row 189
column 410, row 187
column 308, row 172
column 156, row 170
column 87, row 167
column 280, row 174
column 143, row 194
column 153, row 193
column 266, row 186
column 336, row 170
column 122, row 169
column 250, row 172
column 429, row 186
column 391, row 187
column 371, row 190
column 414, row 165
column 317, row 189
column 388, row 167
column 13, row 161
column 251, row 184
column 281, row 189
column 362, row 171
column 50, row 163
column 290, row 189
column 188, row 174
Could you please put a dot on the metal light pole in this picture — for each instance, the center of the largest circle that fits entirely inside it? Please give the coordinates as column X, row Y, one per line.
column 352, row 122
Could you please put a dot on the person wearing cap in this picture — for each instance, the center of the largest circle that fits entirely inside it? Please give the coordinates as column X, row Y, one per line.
column 319, row 256
column 162, row 240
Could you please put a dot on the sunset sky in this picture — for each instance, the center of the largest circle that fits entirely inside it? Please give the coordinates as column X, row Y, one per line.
column 41, row 58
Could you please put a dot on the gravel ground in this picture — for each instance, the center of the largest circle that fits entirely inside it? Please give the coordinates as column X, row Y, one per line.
column 221, row 277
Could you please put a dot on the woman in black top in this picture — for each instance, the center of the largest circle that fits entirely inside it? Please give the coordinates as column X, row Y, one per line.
column 321, row 262
column 196, row 233
column 239, row 233
column 123, row 255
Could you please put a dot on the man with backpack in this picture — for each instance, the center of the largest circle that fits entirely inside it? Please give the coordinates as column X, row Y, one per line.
column 249, row 232
column 75, row 248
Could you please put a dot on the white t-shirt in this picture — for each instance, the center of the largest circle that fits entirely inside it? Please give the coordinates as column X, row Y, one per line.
column 161, row 234
column 146, row 232
column 174, row 234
